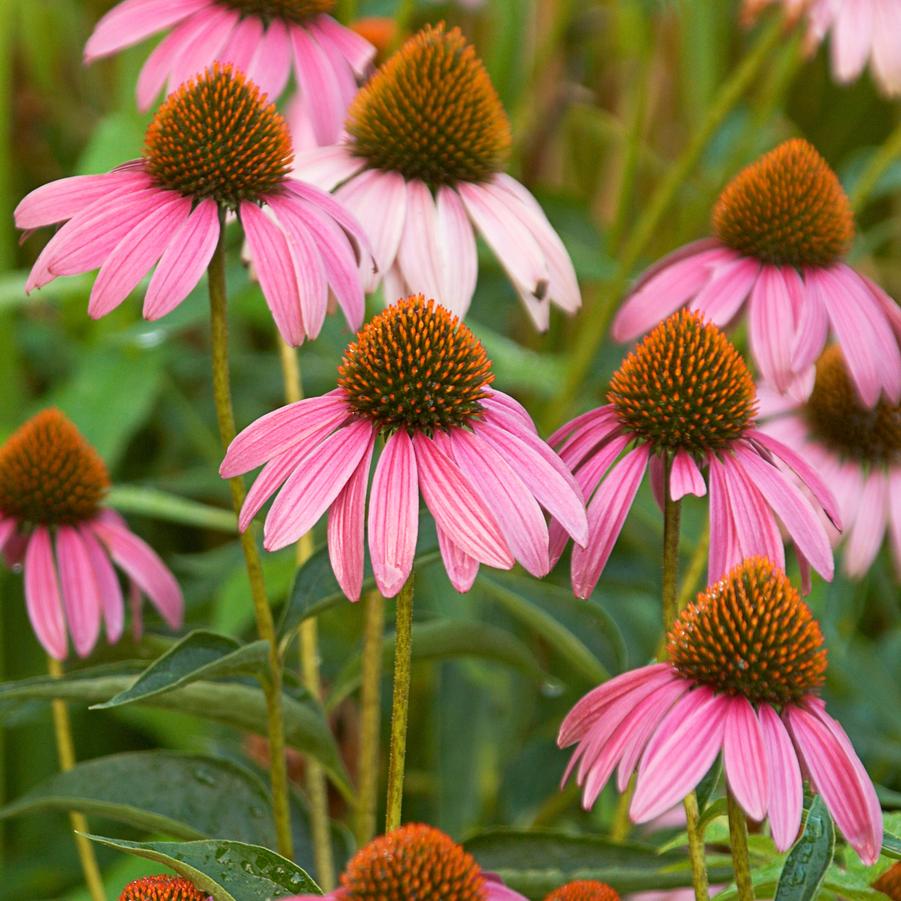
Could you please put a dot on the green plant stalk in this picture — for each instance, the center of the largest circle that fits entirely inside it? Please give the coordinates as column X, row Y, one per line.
column 699, row 879
column 622, row 825
column 402, row 17
column 272, row 681
column 882, row 159
column 400, row 704
column 595, row 320
column 696, row 566
column 65, row 747
column 370, row 717
column 738, row 835
column 308, row 644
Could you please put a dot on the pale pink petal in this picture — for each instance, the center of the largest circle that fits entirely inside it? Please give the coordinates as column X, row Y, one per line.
column 271, row 477
column 885, row 59
column 108, row 588
column 771, row 327
column 724, row 552
column 685, row 477
column 813, row 323
column 184, row 260
column 507, row 408
column 895, row 515
column 346, row 530
column 786, row 795
column 42, row 595
column 271, row 64
column 158, row 66
column 418, row 254
column 7, row 530
column 729, row 286
column 495, row 890
column 889, row 306
column 851, row 39
column 358, row 52
column 584, row 421
column 461, row 568
column 394, row 514
column 744, row 758
column 319, row 88
column 242, row 44
column 457, row 252
column 79, row 589
column 327, row 167
column 868, row 530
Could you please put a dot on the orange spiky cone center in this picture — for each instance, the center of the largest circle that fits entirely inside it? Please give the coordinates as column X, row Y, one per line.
column 417, row 367
column 788, row 208
column 293, row 12
column 414, row 861
column 889, row 883
column 431, row 113
column 685, row 387
column 49, row 474
column 584, row 890
column 162, row 888
column 218, row 137
column 750, row 634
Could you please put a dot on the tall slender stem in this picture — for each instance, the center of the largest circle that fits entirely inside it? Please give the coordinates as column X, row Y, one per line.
column 370, row 716
column 65, row 747
column 696, row 848
column 308, row 643
column 400, row 703
column 882, row 159
column 738, row 835
column 272, row 681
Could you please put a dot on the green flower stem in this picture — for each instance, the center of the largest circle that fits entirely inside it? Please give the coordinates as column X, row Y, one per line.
column 370, row 717
column 696, row 848
column 308, row 643
column 65, row 747
column 272, row 682
column 400, row 703
column 738, row 834
column 882, row 159
column 594, row 321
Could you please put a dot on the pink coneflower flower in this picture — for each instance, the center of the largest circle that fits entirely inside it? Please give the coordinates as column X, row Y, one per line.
column 163, row 888
column 420, row 166
column 583, row 890
column 745, row 661
column 857, row 452
column 417, row 376
column 215, row 146
column 264, row 39
column 52, row 524
column 861, row 31
column 415, row 855
column 781, row 227
column 686, row 395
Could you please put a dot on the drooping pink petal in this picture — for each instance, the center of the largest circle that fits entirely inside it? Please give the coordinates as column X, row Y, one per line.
column 79, row 589
column 456, row 507
column 851, row 39
column 108, row 589
column 868, row 530
column 786, row 795
column 242, row 44
column 895, row 516
column 495, row 890
column 729, row 286
column 680, row 752
column 724, row 552
column 886, row 65
column 7, row 530
column 42, row 595
column 461, row 568
column 418, row 254
column 158, row 66
column 184, row 260
column 744, row 758
column 271, row 64
column 457, row 250
column 685, row 477
column 813, row 323
column 606, row 515
column 358, row 52
column 508, row 411
column 772, row 326
column 346, row 530
column 320, row 91
column 327, row 167
column 272, row 476
column 582, row 422
column 394, row 514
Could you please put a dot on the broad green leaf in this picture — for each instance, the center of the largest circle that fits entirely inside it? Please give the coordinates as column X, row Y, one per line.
column 200, row 655
column 448, row 639
column 538, row 861
column 708, row 784
column 891, row 846
column 171, row 508
column 229, row 871
column 806, row 865
column 188, row 796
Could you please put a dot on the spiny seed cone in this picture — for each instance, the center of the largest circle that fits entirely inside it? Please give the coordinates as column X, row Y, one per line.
column 583, row 891
column 889, row 883
column 49, row 474
column 685, row 387
column 162, row 888
column 431, row 113
column 414, row 861
column 750, row 634
column 788, row 208
column 838, row 417
column 417, row 367
column 218, row 137
column 295, row 12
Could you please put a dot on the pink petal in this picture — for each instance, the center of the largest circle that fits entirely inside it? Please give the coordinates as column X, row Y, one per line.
column 772, row 327
column 108, row 588
column 507, row 408
column 813, row 324
column 786, row 795
column 685, row 477
column 319, row 88
column 271, row 64
column 79, row 589
column 272, row 476
column 461, row 568
column 868, row 530
column 729, row 286
column 42, row 595
column 459, row 263
column 418, row 254
column 582, row 423
column 242, row 44
column 895, row 516
column 327, row 167
column 159, row 64
column 744, row 758
column 724, row 552
column 851, row 39
column 358, row 52
column 394, row 514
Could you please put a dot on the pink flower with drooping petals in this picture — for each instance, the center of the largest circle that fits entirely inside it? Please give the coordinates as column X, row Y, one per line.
column 782, row 228
column 855, row 449
column 52, row 484
column 859, row 31
column 417, row 376
column 264, row 39
column 167, row 209
column 420, row 166
column 415, row 855
column 686, row 395
column 670, row 721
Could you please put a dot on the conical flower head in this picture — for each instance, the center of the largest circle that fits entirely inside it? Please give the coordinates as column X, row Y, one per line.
column 162, row 888
column 889, row 883
column 49, row 474
column 417, row 367
column 788, row 208
column 431, row 113
column 583, row 890
column 295, row 12
column 413, row 861
column 218, row 137
column 750, row 635
column 685, row 387
column 839, row 419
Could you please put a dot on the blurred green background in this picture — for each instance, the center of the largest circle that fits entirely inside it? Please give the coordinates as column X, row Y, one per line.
column 603, row 97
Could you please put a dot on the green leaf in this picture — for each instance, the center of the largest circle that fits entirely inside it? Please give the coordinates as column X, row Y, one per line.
column 229, row 871
column 537, row 861
column 806, row 865
column 200, row 655
column 708, row 784
column 891, row 845
column 188, row 796
column 170, row 508
column 448, row 639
